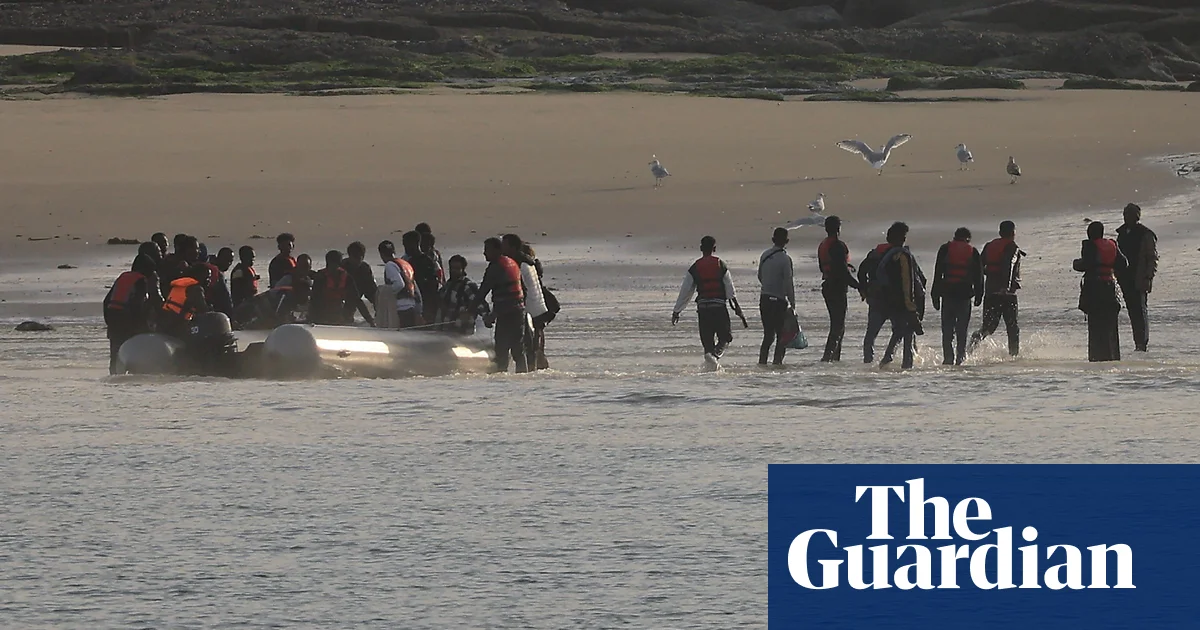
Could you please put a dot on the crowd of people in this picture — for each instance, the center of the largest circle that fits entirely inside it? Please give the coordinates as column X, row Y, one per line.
column 894, row 287
column 165, row 290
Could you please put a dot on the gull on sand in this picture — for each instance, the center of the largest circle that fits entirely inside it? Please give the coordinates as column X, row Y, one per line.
column 658, row 170
column 1014, row 171
column 818, row 204
column 875, row 158
column 964, row 156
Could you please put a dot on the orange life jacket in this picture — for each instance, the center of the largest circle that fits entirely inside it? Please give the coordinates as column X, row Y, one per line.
column 122, row 290
column 511, row 290
column 825, row 263
column 709, row 275
column 176, row 301
column 1106, row 258
column 958, row 260
column 409, row 277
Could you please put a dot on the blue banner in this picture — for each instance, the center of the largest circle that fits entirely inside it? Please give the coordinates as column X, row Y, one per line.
column 1018, row 547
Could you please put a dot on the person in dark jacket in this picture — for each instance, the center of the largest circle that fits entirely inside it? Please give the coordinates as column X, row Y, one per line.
column 456, row 297
column 128, row 305
column 1139, row 245
column 833, row 258
column 176, row 264
column 425, row 273
column 243, row 280
column 160, row 241
column 903, row 292
column 870, row 292
column 1002, row 279
column 957, row 280
column 364, row 278
column 1101, row 261
column 283, row 263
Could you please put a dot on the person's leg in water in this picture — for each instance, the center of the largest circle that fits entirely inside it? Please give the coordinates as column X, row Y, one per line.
column 835, row 303
column 876, row 317
column 723, row 330
column 949, row 322
column 960, row 331
column 772, row 312
column 708, row 330
column 540, row 346
column 894, row 340
column 1135, row 303
column 510, row 334
column 992, row 307
column 1010, row 324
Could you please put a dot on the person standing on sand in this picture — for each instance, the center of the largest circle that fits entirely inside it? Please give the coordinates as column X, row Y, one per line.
column 283, row 263
column 778, row 295
column 833, row 259
column 502, row 280
column 957, row 279
column 709, row 280
column 869, row 291
column 1139, row 245
column 1002, row 279
column 1101, row 261
column 903, row 291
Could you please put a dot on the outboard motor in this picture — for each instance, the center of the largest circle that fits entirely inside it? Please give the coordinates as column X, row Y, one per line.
column 211, row 346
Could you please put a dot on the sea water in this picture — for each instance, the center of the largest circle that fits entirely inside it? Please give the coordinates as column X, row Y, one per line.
column 624, row 487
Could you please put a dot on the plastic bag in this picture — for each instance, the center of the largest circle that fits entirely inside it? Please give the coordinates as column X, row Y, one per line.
column 792, row 335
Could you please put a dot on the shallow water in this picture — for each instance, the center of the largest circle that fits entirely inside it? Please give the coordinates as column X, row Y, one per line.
column 626, row 487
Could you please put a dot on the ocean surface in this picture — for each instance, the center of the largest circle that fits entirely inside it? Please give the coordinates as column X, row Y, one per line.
column 626, row 487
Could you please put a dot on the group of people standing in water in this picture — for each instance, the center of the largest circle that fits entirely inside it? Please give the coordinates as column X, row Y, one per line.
column 894, row 287
column 164, row 291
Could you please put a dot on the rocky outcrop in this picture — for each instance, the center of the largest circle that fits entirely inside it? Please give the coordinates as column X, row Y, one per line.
column 33, row 327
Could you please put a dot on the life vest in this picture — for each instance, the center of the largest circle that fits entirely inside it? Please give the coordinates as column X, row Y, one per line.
column 250, row 276
column 510, row 290
column 997, row 259
column 335, row 286
column 958, row 261
column 122, row 290
column 176, row 301
column 709, row 275
column 826, row 264
column 1106, row 258
column 214, row 278
column 408, row 276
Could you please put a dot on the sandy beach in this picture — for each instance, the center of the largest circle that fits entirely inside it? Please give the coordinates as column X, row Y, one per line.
column 573, row 166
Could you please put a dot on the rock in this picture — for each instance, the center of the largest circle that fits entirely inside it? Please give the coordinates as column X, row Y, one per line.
column 110, row 72
column 1181, row 69
column 116, row 240
column 810, row 18
column 1194, row 87
column 65, row 266
column 33, row 327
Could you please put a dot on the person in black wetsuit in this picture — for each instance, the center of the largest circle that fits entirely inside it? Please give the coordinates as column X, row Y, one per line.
column 833, row 258
column 1139, row 245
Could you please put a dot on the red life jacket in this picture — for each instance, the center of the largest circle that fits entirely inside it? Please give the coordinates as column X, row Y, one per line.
column 1106, row 258
column 406, row 274
column 214, row 278
column 996, row 260
column 253, row 278
column 825, row 263
column 709, row 275
column 122, row 290
column 510, row 290
column 958, row 260
column 335, row 286
column 882, row 248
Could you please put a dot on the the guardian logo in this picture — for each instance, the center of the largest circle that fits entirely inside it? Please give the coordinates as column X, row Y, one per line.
column 987, row 555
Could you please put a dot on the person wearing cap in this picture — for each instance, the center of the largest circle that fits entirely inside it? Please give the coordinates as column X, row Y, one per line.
column 709, row 280
column 957, row 279
column 778, row 295
column 833, row 259
column 1139, row 245
column 1002, row 279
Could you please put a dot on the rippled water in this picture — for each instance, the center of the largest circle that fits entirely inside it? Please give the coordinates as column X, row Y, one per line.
column 626, row 487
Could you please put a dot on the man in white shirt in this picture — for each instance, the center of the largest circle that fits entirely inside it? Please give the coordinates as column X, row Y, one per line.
column 398, row 275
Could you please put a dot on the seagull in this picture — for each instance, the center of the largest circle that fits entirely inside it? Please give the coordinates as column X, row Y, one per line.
column 659, row 171
column 876, row 158
column 964, row 156
column 1014, row 171
column 818, row 205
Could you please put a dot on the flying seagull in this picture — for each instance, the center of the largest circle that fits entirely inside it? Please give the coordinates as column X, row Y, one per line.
column 659, row 171
column 964, row 156
column 818, row 205
column 1014, row 171
column 875, row 158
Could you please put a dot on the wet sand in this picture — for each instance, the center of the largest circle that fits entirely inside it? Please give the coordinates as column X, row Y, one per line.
column 331, row 169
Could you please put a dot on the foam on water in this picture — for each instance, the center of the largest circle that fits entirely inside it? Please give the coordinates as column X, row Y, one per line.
column 626, row 486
